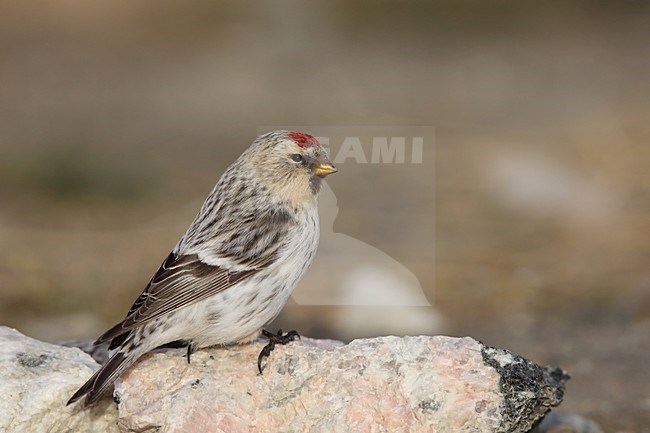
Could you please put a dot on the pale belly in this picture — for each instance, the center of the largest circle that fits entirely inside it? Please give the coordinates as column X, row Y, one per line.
column 238, row 313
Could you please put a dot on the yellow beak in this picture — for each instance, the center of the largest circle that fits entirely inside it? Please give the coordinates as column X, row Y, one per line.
column 324, row 168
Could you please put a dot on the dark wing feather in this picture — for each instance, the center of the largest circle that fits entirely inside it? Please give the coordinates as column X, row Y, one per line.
column 180, row 281
column 184, row 279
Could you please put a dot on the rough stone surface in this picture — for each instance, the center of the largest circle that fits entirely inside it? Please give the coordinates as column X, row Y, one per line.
column 529, row 390
column 36, row 380
column 388, row 384
column 411, row 384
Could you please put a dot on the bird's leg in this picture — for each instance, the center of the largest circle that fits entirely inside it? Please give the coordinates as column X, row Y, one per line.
column 274, row 339
column 179, row 344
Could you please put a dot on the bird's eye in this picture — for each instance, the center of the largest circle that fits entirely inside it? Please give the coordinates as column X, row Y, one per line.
column 296, row 157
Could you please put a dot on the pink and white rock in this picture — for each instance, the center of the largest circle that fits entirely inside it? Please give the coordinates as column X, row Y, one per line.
column 411, row 384
column 37, row 378
column 391, row 384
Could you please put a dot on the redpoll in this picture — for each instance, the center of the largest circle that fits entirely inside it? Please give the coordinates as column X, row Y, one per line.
column 236, row 265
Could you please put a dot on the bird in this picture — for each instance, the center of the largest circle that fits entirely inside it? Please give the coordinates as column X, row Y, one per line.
column 235, row 267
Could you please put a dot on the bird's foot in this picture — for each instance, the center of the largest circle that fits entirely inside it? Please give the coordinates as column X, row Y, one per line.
column 190, row 351
column 274, row 339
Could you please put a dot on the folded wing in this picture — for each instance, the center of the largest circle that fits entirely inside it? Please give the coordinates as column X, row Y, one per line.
column 180, row 281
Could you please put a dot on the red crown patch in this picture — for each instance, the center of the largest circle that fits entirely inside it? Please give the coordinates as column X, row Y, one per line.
column 303, row 140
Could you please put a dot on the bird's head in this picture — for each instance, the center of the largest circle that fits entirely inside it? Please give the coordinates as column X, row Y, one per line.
column 292, row 164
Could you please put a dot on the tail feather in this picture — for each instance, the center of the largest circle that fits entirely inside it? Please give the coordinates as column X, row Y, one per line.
column 103, row 378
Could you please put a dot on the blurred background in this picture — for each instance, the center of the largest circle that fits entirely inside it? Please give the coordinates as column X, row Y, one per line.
column 526, row 225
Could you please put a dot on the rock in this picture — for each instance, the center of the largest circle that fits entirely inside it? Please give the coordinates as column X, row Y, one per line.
column 528, row 389
column 98, row 352
column 563, row 423
column 411, row 384
column 36, row 380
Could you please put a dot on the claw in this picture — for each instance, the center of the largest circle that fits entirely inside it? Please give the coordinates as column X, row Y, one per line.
column 274, row 339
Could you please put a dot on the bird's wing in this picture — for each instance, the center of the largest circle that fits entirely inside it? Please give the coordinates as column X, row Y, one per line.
column 180, row 281
column 183, row 278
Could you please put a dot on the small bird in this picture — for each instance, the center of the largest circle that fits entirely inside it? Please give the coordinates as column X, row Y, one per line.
column 236, row 265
